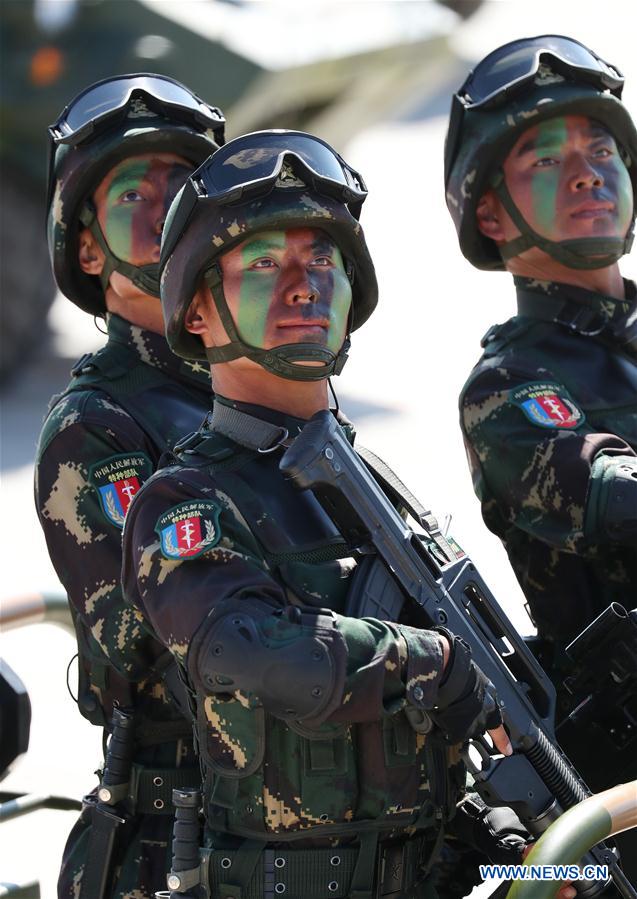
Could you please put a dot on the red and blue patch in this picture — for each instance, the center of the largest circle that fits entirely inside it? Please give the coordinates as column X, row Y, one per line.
column 117, row 479
column 189, row 529
column 547, row 405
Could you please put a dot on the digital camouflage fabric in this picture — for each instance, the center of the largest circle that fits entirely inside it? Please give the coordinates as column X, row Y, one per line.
column 225, row 529
column 101, row 439
column 542, row 404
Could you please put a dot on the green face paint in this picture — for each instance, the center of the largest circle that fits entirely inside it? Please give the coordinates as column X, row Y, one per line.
column 551, row 138
column 620, row 184
column 293, row 289
column 123, row 207
column 136, row 200
column 258, row 286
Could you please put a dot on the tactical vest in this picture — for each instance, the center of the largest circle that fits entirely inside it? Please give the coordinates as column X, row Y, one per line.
column 343, row 781
column 165, row 409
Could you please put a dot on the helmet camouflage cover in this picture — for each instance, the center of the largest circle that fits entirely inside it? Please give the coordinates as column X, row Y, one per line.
column 488, row 134
column 76, row 171
column 213, row 230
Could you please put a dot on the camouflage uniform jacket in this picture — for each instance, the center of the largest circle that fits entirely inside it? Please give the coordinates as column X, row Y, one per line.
column 103, row 436
column 224, row 525
column 555, row 387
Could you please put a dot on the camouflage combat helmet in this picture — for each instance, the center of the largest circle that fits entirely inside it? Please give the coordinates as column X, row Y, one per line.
column 515, row 87
column 269, row 180
column 138, row 114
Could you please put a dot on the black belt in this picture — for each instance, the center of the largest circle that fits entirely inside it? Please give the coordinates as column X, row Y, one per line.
column 252, row 872
column 151, row 789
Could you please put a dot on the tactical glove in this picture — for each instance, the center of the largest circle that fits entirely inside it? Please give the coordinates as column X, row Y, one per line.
column 497, row 832
column 466, row 704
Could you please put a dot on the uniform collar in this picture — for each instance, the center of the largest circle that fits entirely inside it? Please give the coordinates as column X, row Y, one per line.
column 152, row 349
column 550, row 300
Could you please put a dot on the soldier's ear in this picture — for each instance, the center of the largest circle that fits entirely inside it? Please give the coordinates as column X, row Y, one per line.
column 196, row 320
column 90, row 255
column 488, row 217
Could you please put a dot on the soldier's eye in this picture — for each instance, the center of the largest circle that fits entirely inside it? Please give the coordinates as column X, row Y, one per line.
column 131, row 196
column 322, row 260
column 263, row 263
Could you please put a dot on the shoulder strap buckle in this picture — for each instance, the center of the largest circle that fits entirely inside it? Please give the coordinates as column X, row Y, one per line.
column 83, row 365
column 581, row 319
column 189, row 443
column 490, row 335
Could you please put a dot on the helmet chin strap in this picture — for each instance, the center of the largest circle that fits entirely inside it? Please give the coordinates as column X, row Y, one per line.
column 580, row 253
column 145, row 277
column 286, row 361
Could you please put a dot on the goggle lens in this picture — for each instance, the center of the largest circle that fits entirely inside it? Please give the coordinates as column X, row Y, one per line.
column 520, row 60
column 259, row 157
column 104, row 99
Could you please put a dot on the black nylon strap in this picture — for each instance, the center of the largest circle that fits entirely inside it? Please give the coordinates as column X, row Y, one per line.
column 99, row 855
column 348, row 872
column 151, row 789
column 247, row 430
column 399, row 492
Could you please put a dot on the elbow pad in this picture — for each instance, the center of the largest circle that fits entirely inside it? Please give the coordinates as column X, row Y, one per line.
column 293, row 659
column 611, row 506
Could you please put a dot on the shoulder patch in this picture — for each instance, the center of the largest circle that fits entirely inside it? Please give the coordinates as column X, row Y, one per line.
column 547, row 405
column 189, row 529
column 116, row 480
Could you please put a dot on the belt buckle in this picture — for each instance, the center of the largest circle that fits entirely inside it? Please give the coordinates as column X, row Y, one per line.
column 392, row 869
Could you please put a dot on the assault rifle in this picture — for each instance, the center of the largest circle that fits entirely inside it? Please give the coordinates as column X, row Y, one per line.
column 537, row 781
column 601, row 691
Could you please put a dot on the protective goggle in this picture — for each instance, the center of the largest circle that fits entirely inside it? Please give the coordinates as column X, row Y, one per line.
column 100, row 103
column 250, row 166
column 510, row 69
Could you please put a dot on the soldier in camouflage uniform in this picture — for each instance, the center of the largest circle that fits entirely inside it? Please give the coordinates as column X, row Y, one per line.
column 314, row 782
column 540, row 168
column 112, row 178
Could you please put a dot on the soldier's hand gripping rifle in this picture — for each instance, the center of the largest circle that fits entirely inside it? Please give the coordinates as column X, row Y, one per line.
column 109, row 814
column 537, row 781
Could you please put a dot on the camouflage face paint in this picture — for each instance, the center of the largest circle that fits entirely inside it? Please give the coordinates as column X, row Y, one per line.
column 543, row 171
column 258, row 287
column 620, row 187
column 136, row 200
column 276, row 265
column 550, row 140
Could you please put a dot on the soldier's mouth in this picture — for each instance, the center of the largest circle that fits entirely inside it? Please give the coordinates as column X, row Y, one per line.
column 320, row 324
